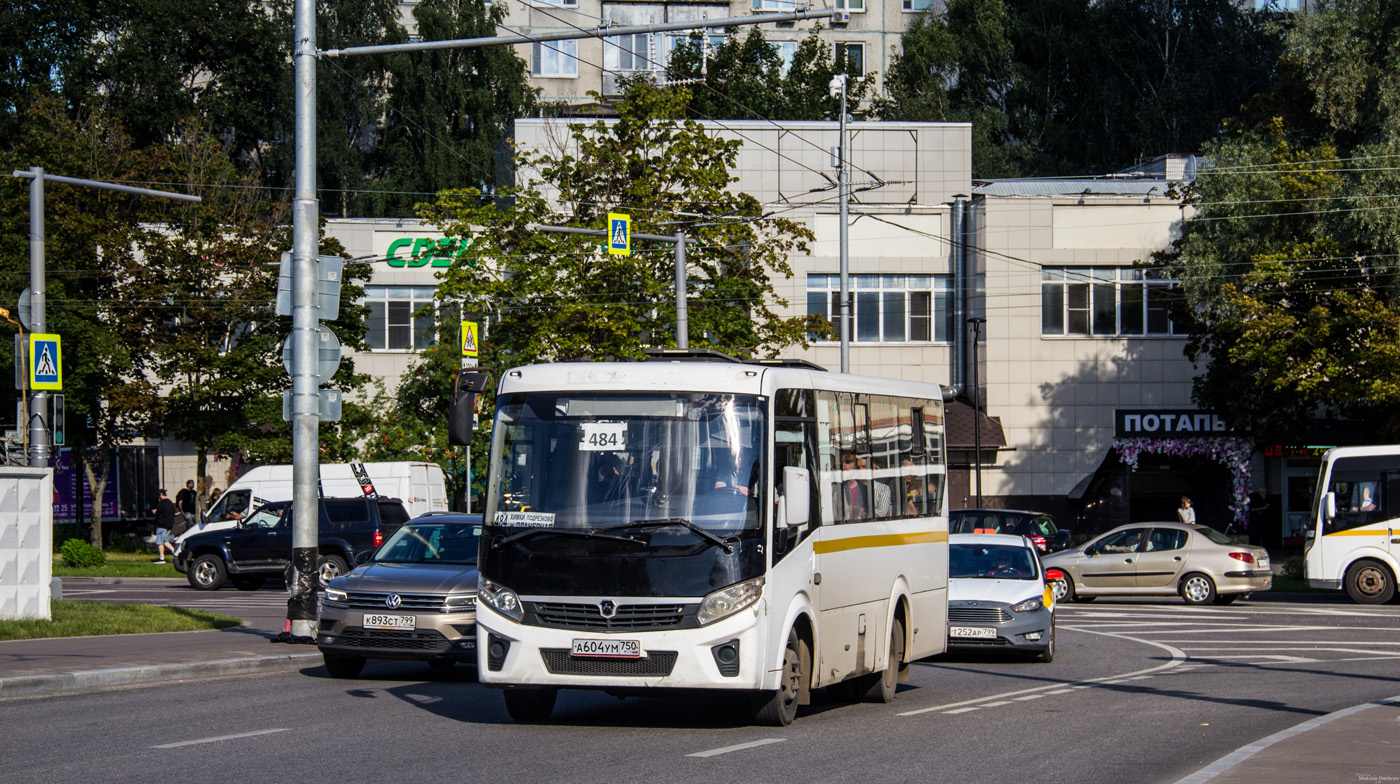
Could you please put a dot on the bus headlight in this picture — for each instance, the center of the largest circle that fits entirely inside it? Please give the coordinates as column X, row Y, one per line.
column 727, row 601
column 501, row 599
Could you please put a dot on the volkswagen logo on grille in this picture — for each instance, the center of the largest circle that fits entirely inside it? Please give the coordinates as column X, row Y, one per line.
column 392, row 601
column 607, row 608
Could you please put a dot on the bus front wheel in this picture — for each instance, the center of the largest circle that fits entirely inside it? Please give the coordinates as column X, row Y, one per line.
column 1370, row 582
column 779, row 708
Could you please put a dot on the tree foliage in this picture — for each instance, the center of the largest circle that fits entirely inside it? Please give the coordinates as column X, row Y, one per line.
column 744, row 79
column 1072, row 86
column 1289, row 268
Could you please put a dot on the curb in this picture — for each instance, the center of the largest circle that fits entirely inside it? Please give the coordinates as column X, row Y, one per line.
column 87, row 680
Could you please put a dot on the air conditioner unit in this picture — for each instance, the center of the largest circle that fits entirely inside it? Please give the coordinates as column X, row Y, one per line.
column 842, row 17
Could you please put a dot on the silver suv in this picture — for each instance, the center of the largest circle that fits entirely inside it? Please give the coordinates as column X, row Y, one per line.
column 414, row 598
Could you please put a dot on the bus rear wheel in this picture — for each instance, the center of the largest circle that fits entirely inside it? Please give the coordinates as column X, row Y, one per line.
column 1370, row 582
column 779, row 708
column 880, row 686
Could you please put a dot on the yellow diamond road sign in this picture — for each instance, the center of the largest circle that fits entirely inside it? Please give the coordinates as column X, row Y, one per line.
column 471, row 342
column 45, row 362
column 619, row 234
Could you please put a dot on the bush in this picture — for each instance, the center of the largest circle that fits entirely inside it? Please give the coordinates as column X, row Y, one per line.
column 1293, row 567
column 77, row 553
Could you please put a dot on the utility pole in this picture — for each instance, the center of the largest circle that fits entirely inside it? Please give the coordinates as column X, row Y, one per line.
column 838, row 85
column 38, row 321
column 306, row 411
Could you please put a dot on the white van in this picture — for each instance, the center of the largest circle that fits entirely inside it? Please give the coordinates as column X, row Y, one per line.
column 421, row 486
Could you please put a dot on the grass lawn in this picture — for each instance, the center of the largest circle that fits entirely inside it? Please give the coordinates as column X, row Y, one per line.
column 82, row 619
column 118, row 565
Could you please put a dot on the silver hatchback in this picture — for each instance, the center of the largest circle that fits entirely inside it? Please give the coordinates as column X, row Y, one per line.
column 1198, row 563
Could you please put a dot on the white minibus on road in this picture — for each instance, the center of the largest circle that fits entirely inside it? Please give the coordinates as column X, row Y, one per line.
column 1354, row 542
column 697, row 522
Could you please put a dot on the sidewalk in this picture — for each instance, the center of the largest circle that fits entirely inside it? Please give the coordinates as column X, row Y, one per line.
column 68, row 664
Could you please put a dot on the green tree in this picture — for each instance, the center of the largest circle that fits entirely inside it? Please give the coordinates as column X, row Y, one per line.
column 558, row 297
column 1288, row 270
column 448, row 110
column 744, row 79
column 40, row 42
column 151, row 69
column 1057, row 87
column 94, row 291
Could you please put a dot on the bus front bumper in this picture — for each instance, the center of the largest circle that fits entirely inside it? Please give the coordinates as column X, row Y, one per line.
column 725, row 655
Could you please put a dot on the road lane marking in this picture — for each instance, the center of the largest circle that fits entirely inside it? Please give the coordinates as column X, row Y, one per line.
column 962, row 710
column 217, row 739
column 1031, row 697
column 1178, row 657
column 736, row 747
column 1288, row 659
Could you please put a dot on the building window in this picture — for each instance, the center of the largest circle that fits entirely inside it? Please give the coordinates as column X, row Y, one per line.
column 396, row 320
column 886, row 308
column 775, row 5
column 630, row 53
column 854, row 6
column 1106, row 301
column 917, row 5
column 851, row 58
column 554, row 58
column 787, row 50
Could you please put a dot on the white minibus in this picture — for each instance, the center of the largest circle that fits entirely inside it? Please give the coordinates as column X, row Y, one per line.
column 696, row 522
column 1353, row 542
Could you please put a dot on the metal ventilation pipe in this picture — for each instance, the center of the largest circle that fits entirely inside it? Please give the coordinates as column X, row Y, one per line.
column 962, row 296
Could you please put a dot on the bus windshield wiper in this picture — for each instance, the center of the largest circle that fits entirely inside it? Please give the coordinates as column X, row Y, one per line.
column 664, row 522
column 590, row 533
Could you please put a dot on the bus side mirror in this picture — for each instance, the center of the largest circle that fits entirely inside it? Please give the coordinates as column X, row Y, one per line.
column 461, row 409
column 797, row 496
column 1329, row 505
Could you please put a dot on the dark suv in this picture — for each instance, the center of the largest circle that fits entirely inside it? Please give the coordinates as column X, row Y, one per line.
column 1036, row 526
column 261, row 545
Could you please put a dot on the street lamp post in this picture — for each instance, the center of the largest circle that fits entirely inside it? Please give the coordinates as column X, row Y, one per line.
column 977, row 323
column 838, row 88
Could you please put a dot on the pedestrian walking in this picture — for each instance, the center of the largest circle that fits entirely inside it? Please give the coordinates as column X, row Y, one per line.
column 185, row 501
column 1187, row 513
column 165, row 522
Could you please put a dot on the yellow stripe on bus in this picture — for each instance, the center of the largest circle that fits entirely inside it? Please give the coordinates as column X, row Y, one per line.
column 1361, row 532
column 882, row 540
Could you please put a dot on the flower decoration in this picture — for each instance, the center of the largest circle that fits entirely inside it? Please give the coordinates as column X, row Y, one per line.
column 1233, row 453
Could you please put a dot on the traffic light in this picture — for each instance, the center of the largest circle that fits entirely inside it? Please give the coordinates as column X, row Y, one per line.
column 58, row 420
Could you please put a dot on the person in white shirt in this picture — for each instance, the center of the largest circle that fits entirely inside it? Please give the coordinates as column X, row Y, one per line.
column 1187, row 513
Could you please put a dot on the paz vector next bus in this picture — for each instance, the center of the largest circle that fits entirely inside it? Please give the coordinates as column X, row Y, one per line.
column 697, row 522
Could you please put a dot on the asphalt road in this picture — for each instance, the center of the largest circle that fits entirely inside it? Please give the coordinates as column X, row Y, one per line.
column 1139, row 692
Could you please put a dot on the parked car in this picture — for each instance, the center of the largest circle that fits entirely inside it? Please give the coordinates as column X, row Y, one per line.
column 1038, row 527
column 1196, row 562
column 261, row 544
column 998, row 595
column 415, row 598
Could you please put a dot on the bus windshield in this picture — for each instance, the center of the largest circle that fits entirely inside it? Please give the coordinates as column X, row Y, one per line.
column 594, row 460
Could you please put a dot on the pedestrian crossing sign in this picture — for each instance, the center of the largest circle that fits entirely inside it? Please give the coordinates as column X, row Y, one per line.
column 45, row 362
column 471, row 341
column 619, row 234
